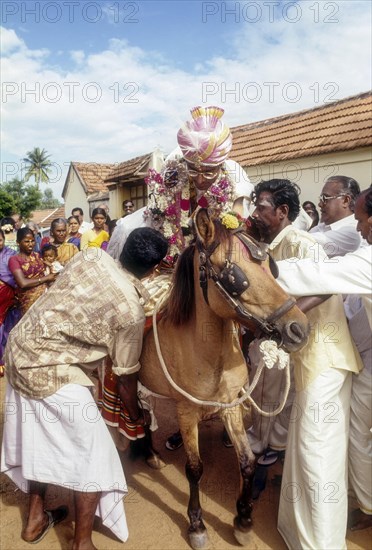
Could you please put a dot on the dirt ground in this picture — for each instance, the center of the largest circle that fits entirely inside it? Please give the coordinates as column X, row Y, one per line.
column 157, row 501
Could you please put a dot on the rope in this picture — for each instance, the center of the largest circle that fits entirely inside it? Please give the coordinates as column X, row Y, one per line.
column 246, row 394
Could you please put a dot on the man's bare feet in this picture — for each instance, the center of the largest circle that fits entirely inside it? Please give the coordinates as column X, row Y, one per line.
column 359, row 520
column 83, row 545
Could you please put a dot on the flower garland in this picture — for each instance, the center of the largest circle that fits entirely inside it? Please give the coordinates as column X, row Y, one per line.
column 172, row 196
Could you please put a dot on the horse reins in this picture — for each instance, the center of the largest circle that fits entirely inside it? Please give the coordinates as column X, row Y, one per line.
column 246, row 394
column 235, row 280
column 231, row 282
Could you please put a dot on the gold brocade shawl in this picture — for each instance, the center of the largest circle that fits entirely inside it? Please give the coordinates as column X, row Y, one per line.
column 92, row 310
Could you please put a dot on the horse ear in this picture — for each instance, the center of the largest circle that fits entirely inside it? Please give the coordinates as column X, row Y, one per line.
column 204, row 227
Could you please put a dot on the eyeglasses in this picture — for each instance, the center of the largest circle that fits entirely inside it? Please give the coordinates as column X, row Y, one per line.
column 325, row 198
column 206, row 175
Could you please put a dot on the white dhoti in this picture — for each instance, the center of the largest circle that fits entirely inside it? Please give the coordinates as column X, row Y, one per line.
column 313, row 501
column 62, row 440
column 360, row 443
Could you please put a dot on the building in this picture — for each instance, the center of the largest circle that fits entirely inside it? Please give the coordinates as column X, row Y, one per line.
column 306, row 147
column 309, row 146
column 127, row 181
column 90, row 184
column 85, row 186
column 43, row 218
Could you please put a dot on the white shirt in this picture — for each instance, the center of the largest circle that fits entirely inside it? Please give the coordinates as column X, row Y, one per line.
column 123, row 227
column 338, row 238
column 85, row 226
column 349, row 274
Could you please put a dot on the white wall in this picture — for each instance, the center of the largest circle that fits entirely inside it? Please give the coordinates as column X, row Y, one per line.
column 75, row 196
column 310, row 173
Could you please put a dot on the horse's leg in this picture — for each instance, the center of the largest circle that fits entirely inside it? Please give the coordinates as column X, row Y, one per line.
column 152, row 457
column 143, row 447
column 188, row 422
column 233, row 421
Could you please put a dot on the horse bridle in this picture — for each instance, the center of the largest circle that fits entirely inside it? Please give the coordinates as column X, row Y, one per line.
column 231, row 282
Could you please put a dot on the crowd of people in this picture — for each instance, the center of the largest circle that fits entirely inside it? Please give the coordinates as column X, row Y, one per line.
column 95, row 303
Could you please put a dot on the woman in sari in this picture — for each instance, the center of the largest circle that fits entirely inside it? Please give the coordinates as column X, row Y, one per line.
column 27, row 268
column 74, row 235
column 9, row 313
column 97, row 236
column 58, row 236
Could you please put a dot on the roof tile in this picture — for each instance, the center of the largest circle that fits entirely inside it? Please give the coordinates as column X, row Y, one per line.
column 338, row 126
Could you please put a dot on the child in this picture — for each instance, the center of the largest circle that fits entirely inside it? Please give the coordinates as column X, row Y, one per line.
column 49, row 254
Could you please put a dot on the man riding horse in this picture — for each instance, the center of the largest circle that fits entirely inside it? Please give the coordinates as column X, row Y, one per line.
column 197, row 174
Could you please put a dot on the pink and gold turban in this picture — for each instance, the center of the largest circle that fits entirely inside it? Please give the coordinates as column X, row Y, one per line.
column 205, row 140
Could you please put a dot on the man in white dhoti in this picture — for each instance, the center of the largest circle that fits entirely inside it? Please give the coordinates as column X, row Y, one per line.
column 316, row 453
column 350, row 274
column 53, row 431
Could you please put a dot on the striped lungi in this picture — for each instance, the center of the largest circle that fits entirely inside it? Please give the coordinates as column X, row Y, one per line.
column 113, row 410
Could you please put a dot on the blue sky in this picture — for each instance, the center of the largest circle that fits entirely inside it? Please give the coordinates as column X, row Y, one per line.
column 104, row 81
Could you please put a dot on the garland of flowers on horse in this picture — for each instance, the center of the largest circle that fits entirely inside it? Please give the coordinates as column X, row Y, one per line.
column 223, row 278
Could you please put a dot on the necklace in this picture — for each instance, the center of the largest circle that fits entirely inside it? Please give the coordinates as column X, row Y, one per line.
column 173, row 197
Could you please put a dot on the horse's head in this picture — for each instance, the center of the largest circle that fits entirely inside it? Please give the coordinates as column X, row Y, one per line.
column 237, row 283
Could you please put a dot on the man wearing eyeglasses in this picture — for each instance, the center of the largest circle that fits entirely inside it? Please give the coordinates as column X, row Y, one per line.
column 336, row 231
column 350, row 274
column 197, row 173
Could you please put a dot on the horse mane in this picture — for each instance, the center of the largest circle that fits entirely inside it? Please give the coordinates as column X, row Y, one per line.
column 180, row 304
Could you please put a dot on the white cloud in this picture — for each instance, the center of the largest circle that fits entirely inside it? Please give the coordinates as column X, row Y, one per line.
column 123, row 101
column 10, row 41
column 77, row 56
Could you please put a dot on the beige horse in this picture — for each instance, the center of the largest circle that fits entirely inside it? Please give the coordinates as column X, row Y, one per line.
column 199, row 344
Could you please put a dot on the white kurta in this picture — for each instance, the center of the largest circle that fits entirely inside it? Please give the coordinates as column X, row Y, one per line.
column 349, row 274
column 313, row 502
column 338, row 238
column 62, row 440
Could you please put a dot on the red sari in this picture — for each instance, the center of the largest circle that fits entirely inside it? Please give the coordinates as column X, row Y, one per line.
column 32, row 268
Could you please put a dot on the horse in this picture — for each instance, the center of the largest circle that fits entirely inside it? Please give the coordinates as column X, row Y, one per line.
column 199, row 344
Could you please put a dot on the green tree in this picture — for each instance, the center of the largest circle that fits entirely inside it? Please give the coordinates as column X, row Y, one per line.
column 38, row 166
column 25, row 198
column 49, row 200
column 7, row 203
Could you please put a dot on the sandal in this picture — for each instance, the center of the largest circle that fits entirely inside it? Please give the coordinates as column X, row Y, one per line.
column 2, row 371
column 54, row 517
column 174, row 442
column 268, row 458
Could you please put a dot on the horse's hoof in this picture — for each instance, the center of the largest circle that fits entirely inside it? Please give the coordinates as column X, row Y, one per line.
column 199, row 541
column 243, row 537
column 155, row 462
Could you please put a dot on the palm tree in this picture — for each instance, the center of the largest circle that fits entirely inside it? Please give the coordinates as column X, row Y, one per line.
column 38, row 164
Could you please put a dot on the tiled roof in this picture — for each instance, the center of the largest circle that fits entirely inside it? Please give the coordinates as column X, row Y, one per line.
column 43, row 218
column 129, row 169
column 338, row 126
column 93, row 175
